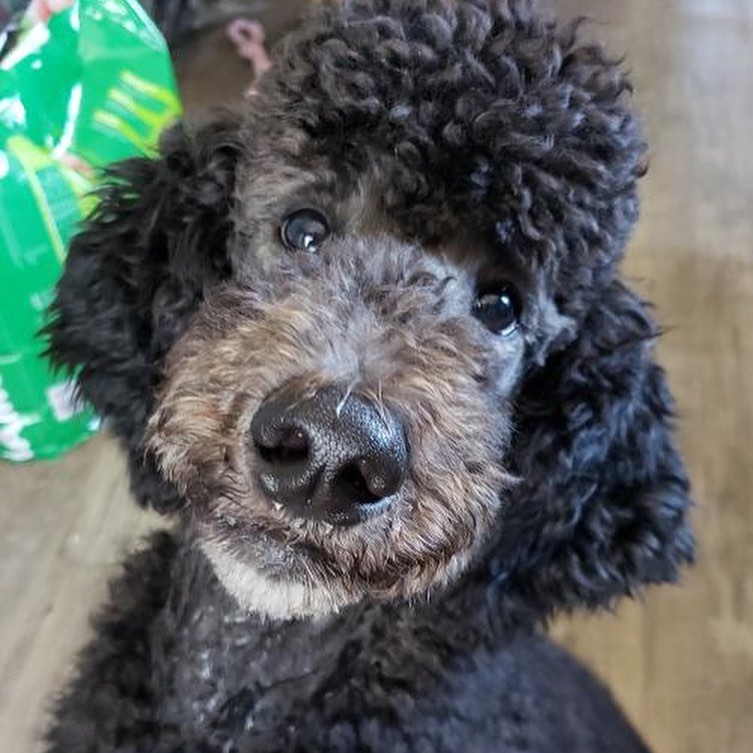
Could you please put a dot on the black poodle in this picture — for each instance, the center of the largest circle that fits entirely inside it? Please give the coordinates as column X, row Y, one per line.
column 369, row 341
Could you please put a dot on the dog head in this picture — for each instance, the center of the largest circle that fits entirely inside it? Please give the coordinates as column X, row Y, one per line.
column 371, row 331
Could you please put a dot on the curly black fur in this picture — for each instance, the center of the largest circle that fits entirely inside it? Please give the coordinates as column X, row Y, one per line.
column 603, row 503
column 206, row 677
column 474, row 113
column 116, row 315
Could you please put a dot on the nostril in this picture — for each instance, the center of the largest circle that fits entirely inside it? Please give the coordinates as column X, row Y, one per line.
column 350, row 483
column 289, row 447
column 368, row 479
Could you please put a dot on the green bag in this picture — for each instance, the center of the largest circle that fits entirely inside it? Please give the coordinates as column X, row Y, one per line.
column 83, row 87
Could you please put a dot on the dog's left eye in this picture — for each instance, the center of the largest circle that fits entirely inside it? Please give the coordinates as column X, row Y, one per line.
column 304, row 230
column 498, row 308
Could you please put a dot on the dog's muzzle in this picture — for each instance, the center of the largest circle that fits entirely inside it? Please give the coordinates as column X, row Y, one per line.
column 331, row 456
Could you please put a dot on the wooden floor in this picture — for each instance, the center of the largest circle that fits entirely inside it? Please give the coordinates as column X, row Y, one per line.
column 682, row 662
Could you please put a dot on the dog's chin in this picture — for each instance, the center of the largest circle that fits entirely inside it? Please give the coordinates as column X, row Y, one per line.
column 283, row 592
column 273, row 594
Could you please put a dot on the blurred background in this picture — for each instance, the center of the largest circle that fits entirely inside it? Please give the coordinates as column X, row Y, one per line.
column 681, row 660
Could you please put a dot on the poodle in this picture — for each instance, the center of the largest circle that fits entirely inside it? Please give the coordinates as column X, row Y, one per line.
column 368, row 343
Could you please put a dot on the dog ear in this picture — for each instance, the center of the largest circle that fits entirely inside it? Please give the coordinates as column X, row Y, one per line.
column 602, row 503
column 136, row 272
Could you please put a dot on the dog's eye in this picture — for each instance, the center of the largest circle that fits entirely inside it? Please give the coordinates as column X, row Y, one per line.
column 498, row 308
column 304, row 230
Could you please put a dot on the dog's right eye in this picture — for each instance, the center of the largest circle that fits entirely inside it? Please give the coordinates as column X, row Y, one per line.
column 304, row 230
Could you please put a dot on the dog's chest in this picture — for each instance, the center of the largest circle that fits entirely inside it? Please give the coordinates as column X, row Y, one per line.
column 243, row 684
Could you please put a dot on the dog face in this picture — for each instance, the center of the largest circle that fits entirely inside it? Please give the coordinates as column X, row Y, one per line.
column 371, row 331
column 346, row 408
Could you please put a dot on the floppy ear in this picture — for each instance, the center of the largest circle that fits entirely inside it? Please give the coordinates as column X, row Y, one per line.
column 136, row 272
column 603, row 500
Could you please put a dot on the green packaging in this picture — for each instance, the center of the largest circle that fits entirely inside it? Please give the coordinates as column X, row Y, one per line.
column 82, row 84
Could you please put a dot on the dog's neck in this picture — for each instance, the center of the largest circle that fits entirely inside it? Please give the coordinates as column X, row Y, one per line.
column 217, row 651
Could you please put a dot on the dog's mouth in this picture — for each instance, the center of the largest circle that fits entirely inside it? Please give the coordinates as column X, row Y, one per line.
column 284, row 565
column 355, row 514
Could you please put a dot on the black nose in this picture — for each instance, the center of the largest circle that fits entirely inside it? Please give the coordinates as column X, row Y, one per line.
column 331, row 456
